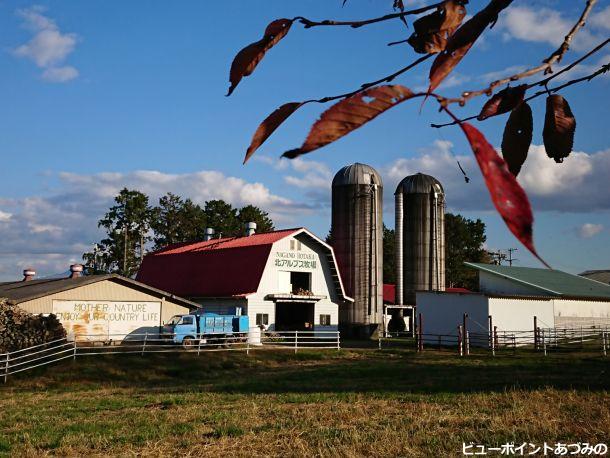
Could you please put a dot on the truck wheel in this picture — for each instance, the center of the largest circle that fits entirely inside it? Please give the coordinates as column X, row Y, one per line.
column 188, row 343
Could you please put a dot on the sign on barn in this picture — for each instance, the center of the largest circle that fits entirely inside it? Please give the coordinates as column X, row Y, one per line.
column 86, row 318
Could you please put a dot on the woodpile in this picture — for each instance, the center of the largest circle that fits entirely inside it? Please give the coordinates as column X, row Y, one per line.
column 20, row 329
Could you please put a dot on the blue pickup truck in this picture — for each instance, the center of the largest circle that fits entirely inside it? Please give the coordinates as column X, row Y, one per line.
column 188, row 329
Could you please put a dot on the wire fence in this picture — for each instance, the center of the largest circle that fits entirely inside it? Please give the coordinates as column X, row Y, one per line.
column 97, row 344
column 543, row 340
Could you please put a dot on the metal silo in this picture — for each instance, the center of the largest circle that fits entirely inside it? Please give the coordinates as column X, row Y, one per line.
column 420, row 237
column 357, row 239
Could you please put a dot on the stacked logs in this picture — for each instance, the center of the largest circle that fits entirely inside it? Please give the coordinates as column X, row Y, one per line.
column 20, row 329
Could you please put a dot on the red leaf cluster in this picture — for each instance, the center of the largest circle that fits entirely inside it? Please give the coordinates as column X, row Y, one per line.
column 248, row 58
column 507, row 195
column 433, row 30
column 350, row 114
column 462, row 40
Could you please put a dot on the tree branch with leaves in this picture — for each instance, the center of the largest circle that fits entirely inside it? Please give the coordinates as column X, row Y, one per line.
column 441, row 34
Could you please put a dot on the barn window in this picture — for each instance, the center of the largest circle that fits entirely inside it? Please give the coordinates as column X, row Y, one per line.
column 324, row 320
column 301, row 282
column 262, row 319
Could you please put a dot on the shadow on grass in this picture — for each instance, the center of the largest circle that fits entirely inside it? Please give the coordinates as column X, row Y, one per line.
column 348, row 371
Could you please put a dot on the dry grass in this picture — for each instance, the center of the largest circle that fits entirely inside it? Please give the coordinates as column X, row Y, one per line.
column 348, row 403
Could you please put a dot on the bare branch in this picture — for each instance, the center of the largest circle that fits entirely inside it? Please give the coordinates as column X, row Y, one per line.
column 603, row 69
column 545, row 67
column 355, row 24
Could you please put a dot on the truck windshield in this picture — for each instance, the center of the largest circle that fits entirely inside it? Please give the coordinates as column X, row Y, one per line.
column 174, row 320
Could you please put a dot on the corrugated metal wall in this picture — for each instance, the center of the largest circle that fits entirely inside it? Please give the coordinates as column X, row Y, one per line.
column 357, row 239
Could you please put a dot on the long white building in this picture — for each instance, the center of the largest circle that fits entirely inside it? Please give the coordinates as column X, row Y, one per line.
column 513, row 296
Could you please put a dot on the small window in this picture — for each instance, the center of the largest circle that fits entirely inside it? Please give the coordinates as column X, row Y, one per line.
column 295, row 245
column 298, row 245
column 262, row 319
column 292, row 242
column 187, row 320
column 324, row 320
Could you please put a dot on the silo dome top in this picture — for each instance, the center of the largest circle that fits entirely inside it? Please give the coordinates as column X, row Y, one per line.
column 357, row 174
column 419, row 184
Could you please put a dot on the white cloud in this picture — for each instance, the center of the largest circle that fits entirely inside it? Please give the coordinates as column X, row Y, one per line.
column 53, row 231
column 60, row 74
column 5, row 217
column 544, row 25
column 576, row 185
column 601, row 19
column 49, row 47
column 588, row 230
column 313, row 177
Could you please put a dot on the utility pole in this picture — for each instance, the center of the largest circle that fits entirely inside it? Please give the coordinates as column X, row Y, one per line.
column 510, row 256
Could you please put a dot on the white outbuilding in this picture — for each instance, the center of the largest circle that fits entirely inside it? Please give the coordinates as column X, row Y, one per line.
column 283, row 280
column 516, row 296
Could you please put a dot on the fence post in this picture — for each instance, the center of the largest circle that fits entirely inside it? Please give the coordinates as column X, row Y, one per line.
column 74, row 357
column 378, row 343
column 467, row 343
column 535, row 332
column 339, row 341
column 144, row 344
column 495, row 338
column 6, row 363
column 490, row 330
column 296, row 341
column 248, row 344
column 493, row 342
column 460, row 346
column 543, row 341
column 199, row 345
column 420, row 330
column 604, row 342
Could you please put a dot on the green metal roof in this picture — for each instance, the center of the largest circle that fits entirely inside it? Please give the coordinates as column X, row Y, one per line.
column 550, row 282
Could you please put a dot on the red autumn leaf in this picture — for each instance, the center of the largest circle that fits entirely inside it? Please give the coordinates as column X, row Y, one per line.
column 507, row 195
column 350, row 114
column 462, row 40
column 269, row 125
column 248, row 58
column 503, row 102
column 559, row 128
column 517, row 137
column 432, row 31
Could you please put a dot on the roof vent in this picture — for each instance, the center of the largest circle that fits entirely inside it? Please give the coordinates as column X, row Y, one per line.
column 250, row 229
column 209, row 234
column 76, row 270
column 28, row 274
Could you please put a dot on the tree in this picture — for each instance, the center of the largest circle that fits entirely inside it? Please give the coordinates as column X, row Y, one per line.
column 176, row 220
column 222, row 217
column 464, row 239
column 252, row 214
column 389, row 255
column 442, row 34
column 127, row 225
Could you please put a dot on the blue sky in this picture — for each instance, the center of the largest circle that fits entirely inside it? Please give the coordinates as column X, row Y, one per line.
column 98, row 95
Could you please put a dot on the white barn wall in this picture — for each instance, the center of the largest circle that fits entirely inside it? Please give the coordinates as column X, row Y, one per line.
column 576, row 313
column 443, row 312
column 510, row 314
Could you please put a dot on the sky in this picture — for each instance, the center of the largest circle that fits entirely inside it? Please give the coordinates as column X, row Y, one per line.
column 100, row 95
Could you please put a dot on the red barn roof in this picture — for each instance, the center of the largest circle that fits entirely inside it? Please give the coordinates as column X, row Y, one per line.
column 224, row 267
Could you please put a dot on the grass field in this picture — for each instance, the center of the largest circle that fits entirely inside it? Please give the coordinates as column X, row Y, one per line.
column 347, row 403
